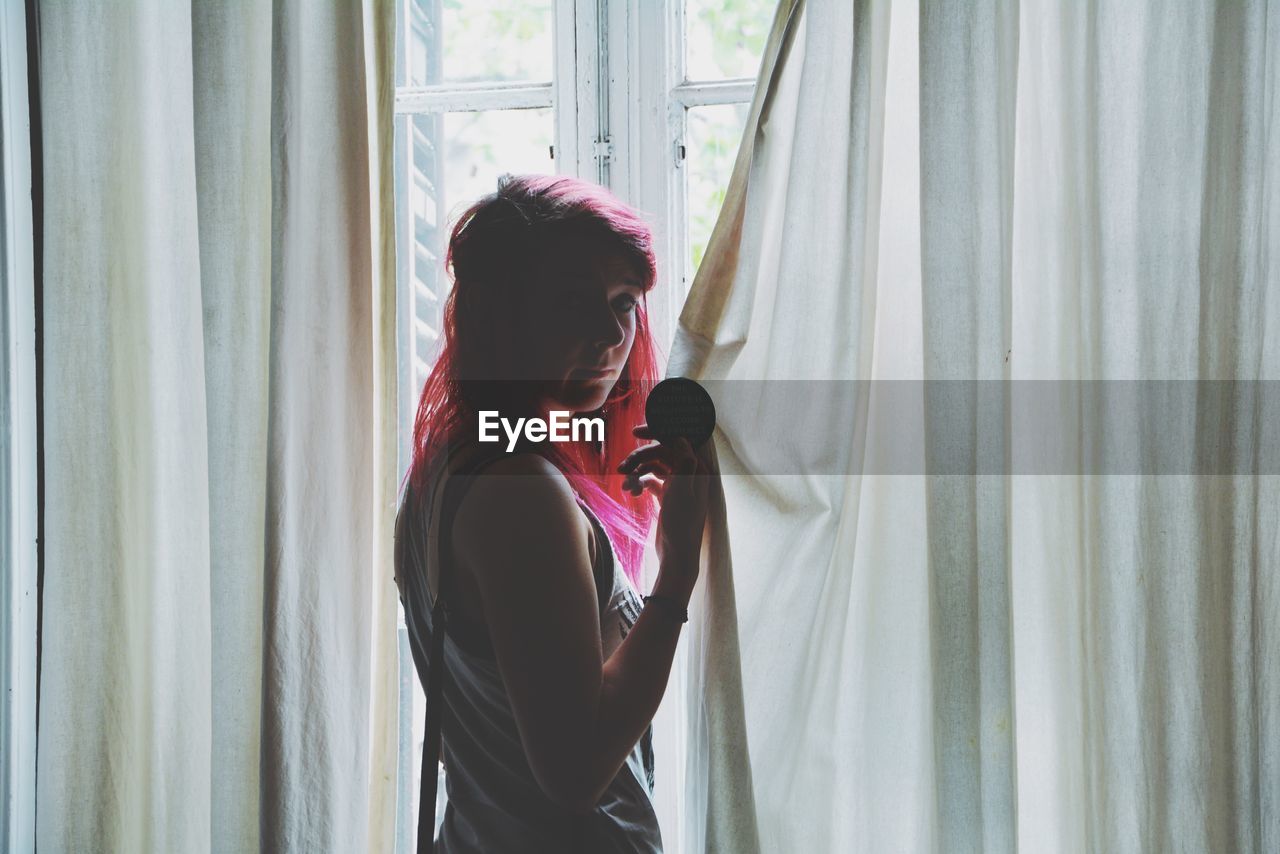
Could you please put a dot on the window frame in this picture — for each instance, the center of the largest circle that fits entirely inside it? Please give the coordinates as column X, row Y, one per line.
column 656, row 102
column 621, row 123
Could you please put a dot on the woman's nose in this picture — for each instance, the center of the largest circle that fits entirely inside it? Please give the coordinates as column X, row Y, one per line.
column 607, row 330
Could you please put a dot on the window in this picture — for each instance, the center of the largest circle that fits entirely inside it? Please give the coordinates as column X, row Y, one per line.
column 647, row 97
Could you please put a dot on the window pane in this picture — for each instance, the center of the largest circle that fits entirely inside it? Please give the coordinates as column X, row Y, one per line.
column 481, row 146
column 712, row 136
column 473, row 40
column 725, row 38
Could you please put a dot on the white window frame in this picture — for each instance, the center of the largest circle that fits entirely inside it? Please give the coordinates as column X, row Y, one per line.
column 620, row 98
column 18, row 467
column 651, row 124
column 620, row 101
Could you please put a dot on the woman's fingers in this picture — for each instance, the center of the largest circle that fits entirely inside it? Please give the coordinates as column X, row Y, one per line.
column 678, row 452
column 660, row 467
column 636, row 484
column 654, row 484
column 644, row 454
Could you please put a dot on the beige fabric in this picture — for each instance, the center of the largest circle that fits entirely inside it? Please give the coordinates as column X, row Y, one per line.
column 1147, row 608
column 218, row 669
column 989, row 191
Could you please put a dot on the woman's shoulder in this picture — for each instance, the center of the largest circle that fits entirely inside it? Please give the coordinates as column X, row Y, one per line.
column 493, row 473
column 528, row 464
column 517, row 493
column 468, row 456
column 520, row 534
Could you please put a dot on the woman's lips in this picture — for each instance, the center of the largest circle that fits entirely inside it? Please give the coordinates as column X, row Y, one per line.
column 591, row 374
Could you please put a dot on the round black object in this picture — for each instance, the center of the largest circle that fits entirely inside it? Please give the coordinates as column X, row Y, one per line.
column 679, row 407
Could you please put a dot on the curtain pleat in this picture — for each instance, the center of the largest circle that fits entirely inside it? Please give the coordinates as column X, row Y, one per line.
column 968, row 74
column 384, row 686
column 231, row 46
column 219, row 636
column 317, row 587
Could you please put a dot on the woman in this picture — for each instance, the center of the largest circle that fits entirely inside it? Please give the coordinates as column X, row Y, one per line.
column 553, row 667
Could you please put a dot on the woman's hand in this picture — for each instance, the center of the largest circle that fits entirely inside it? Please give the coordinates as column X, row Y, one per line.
column 680, row 477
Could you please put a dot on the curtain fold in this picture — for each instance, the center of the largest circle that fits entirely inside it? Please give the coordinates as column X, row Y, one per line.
column 968, row 74
column 786, row 293
column 218, row 659
column 231, row 54
column 1006, row 225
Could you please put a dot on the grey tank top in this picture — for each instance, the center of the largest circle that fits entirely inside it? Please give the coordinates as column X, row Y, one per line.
column 493, row 801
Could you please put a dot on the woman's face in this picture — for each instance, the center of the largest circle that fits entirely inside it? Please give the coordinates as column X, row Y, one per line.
column 577, row 326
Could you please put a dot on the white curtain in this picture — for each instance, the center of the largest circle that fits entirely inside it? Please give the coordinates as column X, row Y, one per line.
column 218, row 655
column 1071, row 640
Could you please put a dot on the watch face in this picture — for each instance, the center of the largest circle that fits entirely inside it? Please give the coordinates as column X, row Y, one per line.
column 679, row 407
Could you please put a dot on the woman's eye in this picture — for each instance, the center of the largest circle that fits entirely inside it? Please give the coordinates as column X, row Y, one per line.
column 627, row 304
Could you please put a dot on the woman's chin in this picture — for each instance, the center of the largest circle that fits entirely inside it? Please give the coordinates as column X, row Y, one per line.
column 583, row 396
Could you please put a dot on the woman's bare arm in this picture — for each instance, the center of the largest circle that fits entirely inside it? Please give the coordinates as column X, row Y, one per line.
column 521, row 534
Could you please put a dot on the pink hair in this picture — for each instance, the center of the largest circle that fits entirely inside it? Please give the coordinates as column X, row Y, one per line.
column 493, row 246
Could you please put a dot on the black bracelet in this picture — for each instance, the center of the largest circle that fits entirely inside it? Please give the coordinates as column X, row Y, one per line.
column 673, row 605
